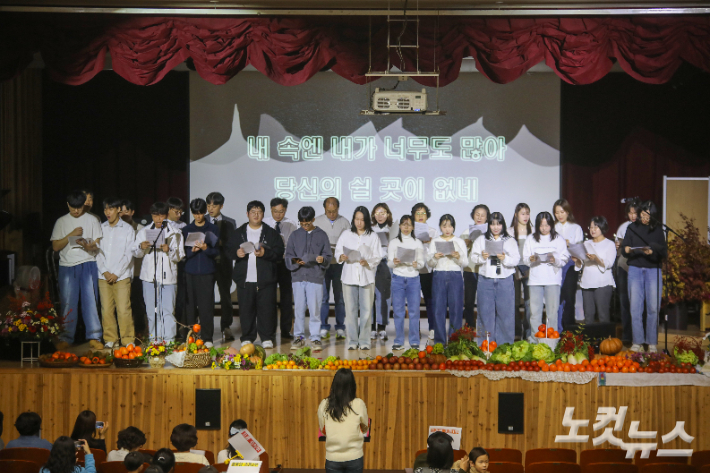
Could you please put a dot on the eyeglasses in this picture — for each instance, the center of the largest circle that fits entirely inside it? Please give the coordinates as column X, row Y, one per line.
column 178, row 211
column 256, row 212
column 420, row 214
column 381, row 214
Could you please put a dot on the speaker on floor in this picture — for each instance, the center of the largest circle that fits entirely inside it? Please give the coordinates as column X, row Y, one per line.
column 208, row 409
column 511, row 413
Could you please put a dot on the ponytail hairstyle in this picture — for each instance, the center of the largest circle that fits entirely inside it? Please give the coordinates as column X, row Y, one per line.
column 550, row 221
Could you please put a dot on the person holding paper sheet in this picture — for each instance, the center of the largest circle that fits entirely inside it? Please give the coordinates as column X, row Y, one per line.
column 175, row 213
column 421, row 214
column 160, row 268
column 115, row 263
column 406, row 287
column 200, row 269
column 479, row 215
column 359, row 276
column 447, row 283
column 137, row 303
column 496, row 291
column 333, row 224
column 521, row 229
column 229, row 452
column 385, row 230
column 572, row 233
column 597, row 280
column 78, row 272
column 622, row 271
column 645, row 248
column 256, row 274
column 546, row 254
column 307, row 256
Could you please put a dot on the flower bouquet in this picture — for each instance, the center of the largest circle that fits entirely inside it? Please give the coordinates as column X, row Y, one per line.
column 156, row 352
column 574, row 347
column 232, row 360
column 24, row 323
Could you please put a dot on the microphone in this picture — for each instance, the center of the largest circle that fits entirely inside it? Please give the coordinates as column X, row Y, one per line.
column 628, row 199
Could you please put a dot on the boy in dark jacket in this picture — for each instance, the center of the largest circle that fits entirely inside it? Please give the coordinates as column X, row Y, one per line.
column 200, row 269
column 256, row 249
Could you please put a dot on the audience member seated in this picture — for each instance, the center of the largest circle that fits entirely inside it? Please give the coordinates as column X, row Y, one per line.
column 85, row 428
column 477, row 460
column 440, row 455
column 130, row 439
column 234, row 428
column 133, row 461
column 164, row 459
column 28, row 425
column 183, row 438
column 62, row 458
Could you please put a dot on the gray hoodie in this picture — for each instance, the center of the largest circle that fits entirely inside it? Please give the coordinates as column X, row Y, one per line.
column 300, row 244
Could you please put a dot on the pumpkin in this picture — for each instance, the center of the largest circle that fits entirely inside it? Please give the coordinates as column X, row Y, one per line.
column 611, row 346
column 247, row 349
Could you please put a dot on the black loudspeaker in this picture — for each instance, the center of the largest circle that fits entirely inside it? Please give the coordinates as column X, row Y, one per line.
column 208, row 409
column 598, row 330
column 511, row 413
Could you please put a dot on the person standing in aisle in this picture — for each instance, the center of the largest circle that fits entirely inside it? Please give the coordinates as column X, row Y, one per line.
column 333, row 224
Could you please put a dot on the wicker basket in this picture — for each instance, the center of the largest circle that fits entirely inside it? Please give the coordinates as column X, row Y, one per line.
column 121, row 363
column 197, row 360
column 156, row 361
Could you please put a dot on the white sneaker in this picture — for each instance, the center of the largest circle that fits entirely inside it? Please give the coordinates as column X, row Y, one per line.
column 636, row 347
column 383, row 335
column 652, row 349
column 431, row 335
column 267, row 345
column 340, row 334
column 246, row 342
column 373, row 335
column 109, row 345
column 209, row 344
column 323, row 333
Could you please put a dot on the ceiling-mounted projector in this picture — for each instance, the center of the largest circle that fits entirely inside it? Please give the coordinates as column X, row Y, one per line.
column 395, row 101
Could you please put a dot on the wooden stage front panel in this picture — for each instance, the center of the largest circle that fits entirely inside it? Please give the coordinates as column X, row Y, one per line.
column 280, row 408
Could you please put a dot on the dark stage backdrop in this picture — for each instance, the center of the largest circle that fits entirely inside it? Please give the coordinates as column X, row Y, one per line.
column 619, row 137
column 116, row 138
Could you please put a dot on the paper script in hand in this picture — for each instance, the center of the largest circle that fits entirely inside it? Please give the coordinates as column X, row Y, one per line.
column 354, row 256
column 406, row 255
column 474, row 231
column 249, row 247
column 155, row 236
column 74, row 241
column 421, row 231
column 579, row 251
column 384, row 238
column 193, row 238
column 494, row 247
column 445, row 247
column 544, row 254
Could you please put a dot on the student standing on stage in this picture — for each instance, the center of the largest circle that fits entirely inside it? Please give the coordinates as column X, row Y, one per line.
column 78, row 273
column 622, row 271
column 521, row 229
column 284, row 226
column 406, row 288
column 159, row 273
column 359, row 277
column 545, row 271
column 572, row 234
column 224, row 267
column 597, row 280
column 175, row 212
column 333, row 224
column 382, row 223
column 447, row 283
column 255, row 274
column 421, row 214
column 479, row 215
column 137, row 303
column 496, row 291
column 645, row 282
column 200, row 268
column 115, row 263
column 307, row 256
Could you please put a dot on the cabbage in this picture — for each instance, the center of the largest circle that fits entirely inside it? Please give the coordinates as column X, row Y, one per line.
column 411, row 353
column 542, row 351
column 503, row 354
column 521, row 351
column 273, row 358
column 577, row 358
column 438, row 349
column 685, row 356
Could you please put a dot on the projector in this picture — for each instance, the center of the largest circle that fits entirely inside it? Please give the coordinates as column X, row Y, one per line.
column 399, row 101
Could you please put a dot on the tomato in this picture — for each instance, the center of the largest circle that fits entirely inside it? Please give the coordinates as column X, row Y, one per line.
column 537, row 368
column 686, row 370
column 442, row 366
column 422, row 354
column 542, row 328
column 492, row 346
column 509, row 368
column 516, row 368
column 429, row 349
column 692, row 370
column 649, row 370
column 449, row 364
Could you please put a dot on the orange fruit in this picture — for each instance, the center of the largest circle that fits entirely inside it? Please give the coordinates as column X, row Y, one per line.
column 102, row 361
column 582, row 369
column 138, row 350
column 632, row 369
column 124, row 351
column 95, row 360
column 573, row 368
column 625, row 369
column 615, row 369
column 558, row 362
column 131, row 355
column 129, row 347
column 567, row 369
column 191, row 340
column 117, row 353
column 545, row 368
column 87, row 361
column 67, row 356
column 553, row 368
column 199, row 342
column 585, row 362
column 196, row 328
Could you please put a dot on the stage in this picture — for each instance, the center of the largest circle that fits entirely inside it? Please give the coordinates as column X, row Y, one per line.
column 280, row 408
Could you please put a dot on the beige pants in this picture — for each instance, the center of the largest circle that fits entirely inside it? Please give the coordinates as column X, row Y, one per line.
column 116, row 304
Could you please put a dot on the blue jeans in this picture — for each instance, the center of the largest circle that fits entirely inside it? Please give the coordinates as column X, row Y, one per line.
column 166, row 328
column 333, row 275
column 358, row 297
column 644, row 286
column 307, row 294
column 406, row 290
column 496, row 303
column 550, row 296
column 80, row 281
column 447, row 290
column 352, row 466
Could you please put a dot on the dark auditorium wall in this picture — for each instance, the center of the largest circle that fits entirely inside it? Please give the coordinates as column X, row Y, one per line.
column 117, row 139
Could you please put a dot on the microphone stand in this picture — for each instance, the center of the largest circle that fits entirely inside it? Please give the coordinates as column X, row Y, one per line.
column 155, row 280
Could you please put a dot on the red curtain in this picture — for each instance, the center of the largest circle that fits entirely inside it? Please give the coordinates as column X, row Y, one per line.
column 291, row 50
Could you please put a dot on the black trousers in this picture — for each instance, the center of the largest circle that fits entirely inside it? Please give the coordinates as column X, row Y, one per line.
column 140, row 320
column 285, row 297
column 568, row 297
column 199, row 296
column 470, row 286
column 261, row 301
column 622, row 286
column 180, row 295
column 224, row 285
column 426, row 279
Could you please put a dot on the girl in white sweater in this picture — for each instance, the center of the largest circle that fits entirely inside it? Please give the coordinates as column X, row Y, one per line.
column 496, row 289
column 572, row 233
column 406, row 288
column 546, row 254
column 447, row 284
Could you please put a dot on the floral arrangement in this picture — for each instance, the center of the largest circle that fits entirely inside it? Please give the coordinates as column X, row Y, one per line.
column 574, row 344
column 25, row 323
column 231, row 361
column 464, row 333
column 160, row 348
column 688, row 275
